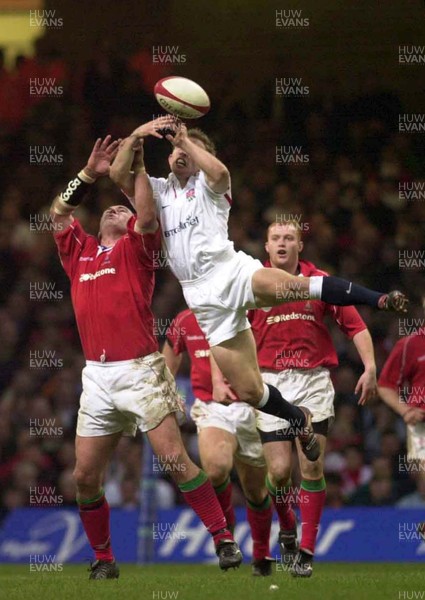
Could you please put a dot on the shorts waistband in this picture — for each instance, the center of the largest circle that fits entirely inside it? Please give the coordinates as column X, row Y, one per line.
column 295, row 371
column 225, row 256
column 122, row 363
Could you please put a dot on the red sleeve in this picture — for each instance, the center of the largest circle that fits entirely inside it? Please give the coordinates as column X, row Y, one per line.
column 347, row 318
column 175, row 336
column 70, row 243
column 392, row 374
column 148, row 244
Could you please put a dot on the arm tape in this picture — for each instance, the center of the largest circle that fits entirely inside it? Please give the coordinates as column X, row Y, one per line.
column 75, row 191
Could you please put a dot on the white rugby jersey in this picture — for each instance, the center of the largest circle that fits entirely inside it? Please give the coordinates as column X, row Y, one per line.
column 194, row 225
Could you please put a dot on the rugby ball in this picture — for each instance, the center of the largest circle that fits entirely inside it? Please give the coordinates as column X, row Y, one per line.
column 182, row 97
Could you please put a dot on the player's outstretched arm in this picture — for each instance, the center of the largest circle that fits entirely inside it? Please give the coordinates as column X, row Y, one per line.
column 122, row 171
column 410, row 414
column 97, row 165
column 222, row 392
column 216, row 173
column 144, row 204
column 366, row 384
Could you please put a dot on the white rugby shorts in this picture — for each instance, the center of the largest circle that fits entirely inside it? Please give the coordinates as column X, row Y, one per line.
column 310, row 388
column 220, row 299
column 416, row 442
column 126, row 395
column 239, row 419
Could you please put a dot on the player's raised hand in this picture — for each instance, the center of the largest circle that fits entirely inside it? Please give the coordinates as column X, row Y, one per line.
column 179, row 133
column 366, row 387
column 103, row 153
column 155, row 127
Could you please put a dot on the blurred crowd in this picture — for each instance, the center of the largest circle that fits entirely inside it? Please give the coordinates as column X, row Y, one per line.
column 346, row 196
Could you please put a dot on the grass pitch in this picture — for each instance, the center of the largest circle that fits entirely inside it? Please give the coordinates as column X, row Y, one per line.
column 356, row 581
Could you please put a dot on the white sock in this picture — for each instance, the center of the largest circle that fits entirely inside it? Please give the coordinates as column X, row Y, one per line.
column 264, row 399
column 315, row 287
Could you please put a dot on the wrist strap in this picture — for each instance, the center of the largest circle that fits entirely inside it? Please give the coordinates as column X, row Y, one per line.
column 62, row 209
column 73, row 194
column 86, row 178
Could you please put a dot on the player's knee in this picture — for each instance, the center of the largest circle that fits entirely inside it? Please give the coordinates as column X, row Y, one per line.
column 255, row 494
column 312, row 470
column 217, row 472
column 250, row 391
column 279, row 473
column 173, row 456
column 87, row 481
column 171, row 453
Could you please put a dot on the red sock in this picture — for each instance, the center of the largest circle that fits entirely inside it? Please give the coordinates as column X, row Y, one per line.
column 282, row 501
column 94, row 515
column 224, row 495
column 260, row 521
column 200, row 495
column 312, row 501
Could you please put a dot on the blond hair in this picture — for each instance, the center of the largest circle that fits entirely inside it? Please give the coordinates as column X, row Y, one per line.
column 289, row 222
column 198, row 134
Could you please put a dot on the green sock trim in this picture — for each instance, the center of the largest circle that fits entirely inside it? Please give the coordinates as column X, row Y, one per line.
column 273, row 489
column 316, row 485
column 287, row 489
column 222, row 487
column 95, row 499
column 259, row 507
column 194, row 483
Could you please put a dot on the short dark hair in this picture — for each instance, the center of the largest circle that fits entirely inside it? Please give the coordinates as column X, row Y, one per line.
column 198, row 134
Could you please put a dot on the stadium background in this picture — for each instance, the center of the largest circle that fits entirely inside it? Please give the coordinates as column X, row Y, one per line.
column 100, row 65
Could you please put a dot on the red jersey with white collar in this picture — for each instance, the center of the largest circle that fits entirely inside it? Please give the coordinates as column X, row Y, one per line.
column 185, row 335
column 111, row 290
column 295, row 336
column 404, row 369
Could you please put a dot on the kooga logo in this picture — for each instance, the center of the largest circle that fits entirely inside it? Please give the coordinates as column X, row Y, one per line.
column 72, row 186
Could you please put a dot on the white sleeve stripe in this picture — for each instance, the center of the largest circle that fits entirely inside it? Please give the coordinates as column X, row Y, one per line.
column 74, row 234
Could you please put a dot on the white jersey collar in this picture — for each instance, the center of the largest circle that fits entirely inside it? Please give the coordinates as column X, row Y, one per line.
column 175, row 182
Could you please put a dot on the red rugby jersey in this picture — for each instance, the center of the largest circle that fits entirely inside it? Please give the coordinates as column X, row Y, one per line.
column 404, row 369
column 295, row 336
column 185, row 335
column 111, row 291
